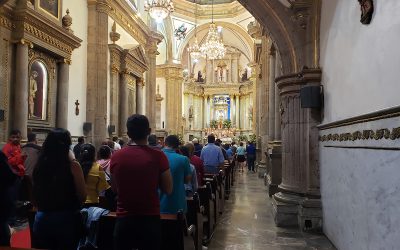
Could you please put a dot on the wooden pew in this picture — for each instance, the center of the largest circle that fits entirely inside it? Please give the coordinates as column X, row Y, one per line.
column 105, row 236
column 228, row 180
column 213, row 179
column 221, row 191
column 207, row 201
column 194, row 216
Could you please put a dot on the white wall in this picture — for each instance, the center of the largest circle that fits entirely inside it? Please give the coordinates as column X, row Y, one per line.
column 78, row 70
column 360, row 186
column 359, row 62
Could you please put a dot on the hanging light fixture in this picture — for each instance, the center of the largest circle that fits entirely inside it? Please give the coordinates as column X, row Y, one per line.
column 159, row 9
column 194, row 49
column 213, row 48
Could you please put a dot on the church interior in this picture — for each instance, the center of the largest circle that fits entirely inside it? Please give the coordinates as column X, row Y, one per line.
column 312, row 83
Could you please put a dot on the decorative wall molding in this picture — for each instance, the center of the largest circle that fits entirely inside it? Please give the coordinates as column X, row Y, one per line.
column 378, row 134
column 378, row 115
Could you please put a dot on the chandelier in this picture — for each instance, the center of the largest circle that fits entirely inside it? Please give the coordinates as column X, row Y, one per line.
column 159, row 9
column 194, row 49
column 213, row 48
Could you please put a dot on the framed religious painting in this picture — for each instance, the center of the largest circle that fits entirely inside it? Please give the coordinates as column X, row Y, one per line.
column 38, row 91
column 50, row 7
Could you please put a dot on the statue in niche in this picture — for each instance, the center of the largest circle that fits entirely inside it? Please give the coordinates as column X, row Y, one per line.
column 200, row 77
column 250, row 110
column 367, row 9
column 191, row 111
column 244, row 76
column 32, row 93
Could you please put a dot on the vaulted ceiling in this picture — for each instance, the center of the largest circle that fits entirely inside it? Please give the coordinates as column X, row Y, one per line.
column 210, row 1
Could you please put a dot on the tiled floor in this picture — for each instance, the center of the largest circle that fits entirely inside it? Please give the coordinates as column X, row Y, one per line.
column 247, row 223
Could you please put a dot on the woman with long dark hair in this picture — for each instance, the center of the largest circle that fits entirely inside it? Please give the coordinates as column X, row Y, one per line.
column 94, row 175
column 58, row 190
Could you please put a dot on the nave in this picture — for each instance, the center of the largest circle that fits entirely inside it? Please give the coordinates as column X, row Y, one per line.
column 247, row 222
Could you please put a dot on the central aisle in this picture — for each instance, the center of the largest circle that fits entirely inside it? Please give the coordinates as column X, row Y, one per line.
column 247, row 223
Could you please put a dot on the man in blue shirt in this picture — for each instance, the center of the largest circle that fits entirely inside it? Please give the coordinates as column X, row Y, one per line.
column 251, row 156
column 171, row 204
column 212, row 156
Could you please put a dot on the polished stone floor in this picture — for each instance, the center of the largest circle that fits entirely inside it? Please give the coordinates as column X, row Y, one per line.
column 247, row 223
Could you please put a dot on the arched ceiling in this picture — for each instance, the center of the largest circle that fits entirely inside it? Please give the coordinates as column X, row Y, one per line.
column 207, row 2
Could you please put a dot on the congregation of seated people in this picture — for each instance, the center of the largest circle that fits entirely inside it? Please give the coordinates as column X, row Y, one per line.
column 143, row 184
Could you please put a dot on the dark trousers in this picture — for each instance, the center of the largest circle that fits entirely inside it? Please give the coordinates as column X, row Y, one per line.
column 4, row 234
column 137, row 232
column 172, row 235
column 56, row 230
column 250, row 161
column 13, row 193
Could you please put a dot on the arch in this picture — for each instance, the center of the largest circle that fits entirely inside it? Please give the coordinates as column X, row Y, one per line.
column 278, row 22
column 235, row 29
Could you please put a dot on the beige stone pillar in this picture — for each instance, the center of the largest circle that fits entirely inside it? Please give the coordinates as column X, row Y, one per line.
column 115, row 63
column 277, row 116
column 299, row 196
column 173, row 77
column 205, row 110
column 235, row 68
column 151, row 52
column 159, row 99
column 123, row 103
column 231, row 107
column 97, row 71
column 139, row 96
column 264, row 99
column 21, row 89
column 237, row 111
column 271, row 104
column 62, row 94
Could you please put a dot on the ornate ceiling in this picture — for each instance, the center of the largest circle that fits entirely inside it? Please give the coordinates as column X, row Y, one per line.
column 205, row 2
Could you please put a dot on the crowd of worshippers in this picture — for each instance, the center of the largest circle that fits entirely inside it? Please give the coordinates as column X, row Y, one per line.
column 144, row 179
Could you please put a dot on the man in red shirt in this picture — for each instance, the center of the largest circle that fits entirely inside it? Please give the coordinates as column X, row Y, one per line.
column 137, row 172
column 15, row 158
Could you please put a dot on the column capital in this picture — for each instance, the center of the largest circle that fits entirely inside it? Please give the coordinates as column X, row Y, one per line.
column 24, row 41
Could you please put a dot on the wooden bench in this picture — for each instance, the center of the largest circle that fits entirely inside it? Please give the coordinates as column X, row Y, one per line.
column 207, row 201
column 194, row 216
column 213, row 180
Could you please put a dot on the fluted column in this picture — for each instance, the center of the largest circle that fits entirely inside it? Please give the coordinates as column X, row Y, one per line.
column 123, row 103
column 151, row 52
column 62, row 94
column 237, row 111
column 139, row 96
column 299, row 196
column 21, row 89
column 271, row 104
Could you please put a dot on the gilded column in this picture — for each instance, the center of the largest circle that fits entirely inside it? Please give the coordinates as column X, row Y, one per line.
column 139, row 96
column 21, row 89
column 97, row 61
column 271, row 104
column 123, row 103
column 62, row 94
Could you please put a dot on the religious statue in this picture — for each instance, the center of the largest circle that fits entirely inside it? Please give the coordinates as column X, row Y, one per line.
column 200, row 77
column 191, row 111
column 32, row 93
column 244, row 76
column 367, row 9
column 250, row 110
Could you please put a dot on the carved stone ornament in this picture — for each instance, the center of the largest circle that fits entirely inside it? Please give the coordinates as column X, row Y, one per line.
column 378, row 134
column 114, row 35
column 67, row 22
column 367, row 10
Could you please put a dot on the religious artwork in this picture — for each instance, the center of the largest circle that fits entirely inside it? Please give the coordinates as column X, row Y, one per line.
column 180, row 32
column 38, row 90
column 199, row 77
column 367, row 9
column 191, row 111
column 51, row 7
column 244, row 76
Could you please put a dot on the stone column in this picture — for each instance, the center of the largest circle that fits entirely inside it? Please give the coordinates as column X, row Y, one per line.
column 97, row 71
column 123, row 103
column 151, row 52
column 235, row 68
column 205, row 110
column 277, row 116
column 232, row 107
column 62, row 94
column 271, row 104
column 159, row 99
column 264, row 100
column 139, row 96
column 299, row 198
column 237, row 111
column 174, row 78
column 21, row 89
column 186, row 106
column 115, row 63
column 209, row 71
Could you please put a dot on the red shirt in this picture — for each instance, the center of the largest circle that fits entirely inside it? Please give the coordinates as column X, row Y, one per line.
column 15, row 159
column 199, row 166
column 135, row 175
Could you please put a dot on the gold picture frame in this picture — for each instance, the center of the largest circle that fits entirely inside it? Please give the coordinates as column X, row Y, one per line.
column 51, row 8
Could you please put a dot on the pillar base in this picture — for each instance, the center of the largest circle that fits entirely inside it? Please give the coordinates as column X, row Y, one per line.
column 274, row 177
column 294, row 210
